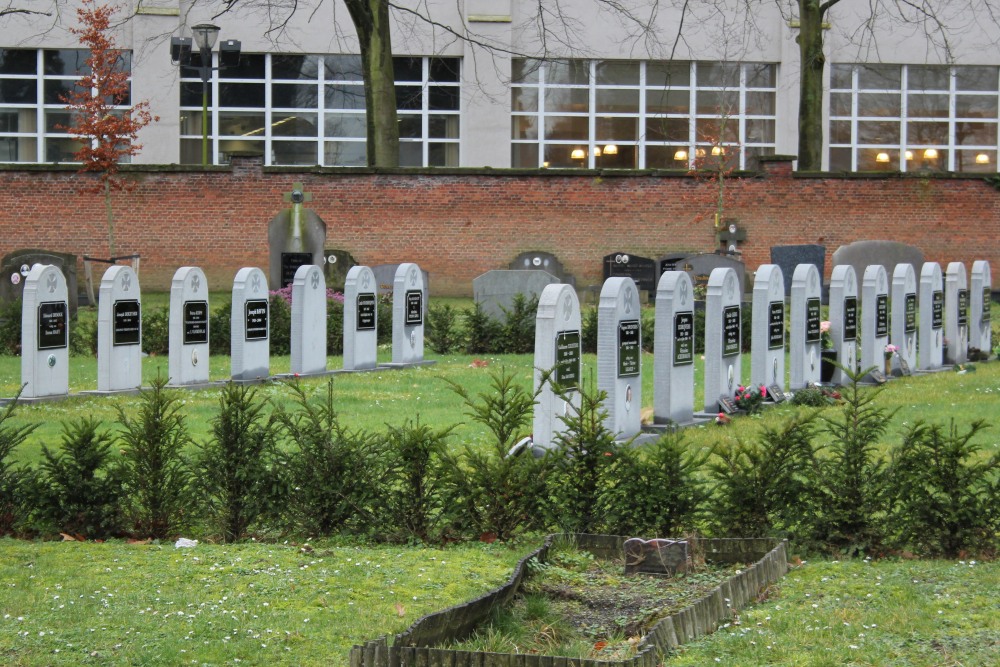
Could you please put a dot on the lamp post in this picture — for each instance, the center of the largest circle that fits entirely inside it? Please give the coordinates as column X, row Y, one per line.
column 205, row 36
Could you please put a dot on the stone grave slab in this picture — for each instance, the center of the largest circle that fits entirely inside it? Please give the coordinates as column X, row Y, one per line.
column 642, row 270
column 495, row 290
column 767, row 341
column 619, row 356
column 862, row 254
column 701, row 266
column 119, row 331
column 188, row 328
column 336, row 264
column 844, row 319
column 980, row 300
column 385, row 279
column 788, row 258
column 903, row 324
column 360, row 320
column 296, row 237
column 409, row 308
column 250, row 332
column 308, row 321
column 657, row 556
column 557, row 349
column 930, row 337
column 44, row 334
column 875, row 317
column 956, row 313
column 805, row 338
column 673, row 363
column 723, row 353
column 14, row 268
column 539, row 260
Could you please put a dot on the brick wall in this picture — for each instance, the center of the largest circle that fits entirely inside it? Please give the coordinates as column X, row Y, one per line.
column 458, row 224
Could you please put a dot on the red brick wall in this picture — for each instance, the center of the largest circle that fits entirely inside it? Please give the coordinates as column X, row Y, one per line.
column 457, row 225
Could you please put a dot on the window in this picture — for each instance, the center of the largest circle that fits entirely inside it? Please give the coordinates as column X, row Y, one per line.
column 310, row 110
column 625, row 114
column 32, row 113
column 913, row 118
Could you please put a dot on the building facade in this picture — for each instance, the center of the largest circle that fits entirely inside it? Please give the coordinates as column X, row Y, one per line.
column 511, row 83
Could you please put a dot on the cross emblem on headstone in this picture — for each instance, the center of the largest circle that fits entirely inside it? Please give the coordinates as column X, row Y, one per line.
column 314, row 279
column 413, row 277
column 730, row 286
column 195, row 283
column 881, row 281
column 255, row 282
column 850, row 281
column 812, row 280
column 366, row 279
column 126, row 281
column 52, row 282
column 628, row 300
column 683, row 292
column 298, row 195
column 567, row 307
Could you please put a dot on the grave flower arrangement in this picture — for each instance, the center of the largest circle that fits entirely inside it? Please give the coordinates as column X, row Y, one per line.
column 890, row 350
column 826, row 341
column 749, row 400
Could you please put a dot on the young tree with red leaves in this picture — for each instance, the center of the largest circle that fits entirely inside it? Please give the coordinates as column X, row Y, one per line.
column 107, row 133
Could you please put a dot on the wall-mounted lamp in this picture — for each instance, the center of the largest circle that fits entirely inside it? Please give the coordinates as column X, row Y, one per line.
column 578, row 154
column 982, row 158
column 611, row 149
column 882, row 157
column 930, row 154
column 681, row 155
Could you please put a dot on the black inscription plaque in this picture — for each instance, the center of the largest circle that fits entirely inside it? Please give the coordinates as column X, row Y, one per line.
column 567, row 372
column 683, row 338
column 730, row 331
column 775, row 393
column 776, row 325
column 882, row 315
column 367, row 309
column 414, row 307
column 987, row 299
column 727, row 405
column 126, row 322
column 911, row 313
column 52, row 331
column 290, row 263
column 195, row 322
column 963, row 307
column 851, row 318
column 937, row 310
column 256, row 319
column 813, row 332
column 629, row 349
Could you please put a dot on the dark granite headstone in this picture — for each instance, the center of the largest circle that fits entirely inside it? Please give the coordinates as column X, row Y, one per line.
column 14, row 269
column 642, row 270
column 336, row 264
column 543, row 261
column 700, row 266
column 862, row 254
column 495, row 290
column 787, row 257
column 296, row 237
column 658, row 556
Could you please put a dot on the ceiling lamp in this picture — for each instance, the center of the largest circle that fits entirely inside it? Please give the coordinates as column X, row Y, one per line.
column 982, row 158
column 611, row 149
column 930, row 154
column 578, row 154
column 718, row 150
column 882, row 157
column 681, row 155
column 908, row 155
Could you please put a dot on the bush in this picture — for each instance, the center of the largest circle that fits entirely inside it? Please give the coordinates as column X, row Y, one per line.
column 443, row 333
column 83, row 337
column 943, row 492
column 481, row 331
column 10, row 327
column 517, row 333
column 279, row 326
column 335, row 325
column 413, row 481
column 77, row 490
column 588, row 334
column 220, row 333
column 158, row 498
column 237, row 466
column 156, row 331
column 12, row 480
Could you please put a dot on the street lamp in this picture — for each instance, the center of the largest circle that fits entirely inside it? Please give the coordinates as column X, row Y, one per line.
column 205, row 36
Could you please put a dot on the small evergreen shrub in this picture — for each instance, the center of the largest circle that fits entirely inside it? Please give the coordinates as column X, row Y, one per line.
column 413, row 497
column 517, row 332
column 481, row 331
column 588, row 332
column 335, row 325
column 220, row 334
column 279, row 325
column 156, row 331
column 443, row 333
column 12, row 479
column 83, row 337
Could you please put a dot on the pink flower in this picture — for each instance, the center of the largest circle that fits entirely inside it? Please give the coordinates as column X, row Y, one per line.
column 763, row 391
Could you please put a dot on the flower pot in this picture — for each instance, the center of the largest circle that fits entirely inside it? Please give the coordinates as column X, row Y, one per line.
column 888, row 366
column 826, row 367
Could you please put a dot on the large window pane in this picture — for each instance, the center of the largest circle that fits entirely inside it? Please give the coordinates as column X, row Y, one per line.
column 191, row 92
column 524, row 156
column 524, row 127
column 926, row 133
column 617, row 129
column 251, row 66
column 411, row 154
column 760, row 75
column 976, row 106
column 567, row 99
column 444, row 70
column 18, row 91
column 726, row 103
column 294, row 125
column 840, row 159
column 618, row 72
column 879, row 77
column 410, row 127
column 65, row 62
column 241, row 123
column 443, row 98
column 668, row 101
column 440, row 126
column 667, row 129
column 878, row 132
column 294, row 67
column 345, row 154
column 666, row 157
column 524, row 99
column 409, row 98
column 241, row 94
column 243, row 146
column 718, row 75
column 18, row 149
column 760, row 131
column 668, row 74
column 977, row 161
column 841, row 76
column 345, row 125
column 566, row 127
column 928, row 77
column 976, row 134
column 840, row 104
column 718, row 130
column 408, row 69
column 294, row 152
column 57, row 91
column 345, row 97
column 568, row 72
column 294, row 96
column 17, row 120
column 617, row 101
column 61, row 150
column 976, row 78
column 878, row 104
column 840, row 132
column 927, row 106
column 18, row 61
column 442, row 155
column 525, row 70
column 759, row 104
column 343, row 68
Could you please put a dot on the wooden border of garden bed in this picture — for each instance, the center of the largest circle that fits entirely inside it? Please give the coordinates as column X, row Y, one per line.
column 413, row 647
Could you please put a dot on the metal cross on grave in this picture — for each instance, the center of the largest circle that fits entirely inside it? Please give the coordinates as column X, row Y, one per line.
column 730, row 235
column 298, row 195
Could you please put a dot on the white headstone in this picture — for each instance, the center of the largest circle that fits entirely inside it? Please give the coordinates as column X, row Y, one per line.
column 119, row 331
column 408, row 299
column 250, row 326
column 930, row 337
column 557, row 348
column 903, row 331
column 308, row 321
column 44, row 333
column 673, row 363
column 619, row 355
column 189, row 315
column 723, row 344
column 844, row 319
column 767, row 340
column 874, row 317
column 805, row 339
column 980, row 300
column 956, row 316
column 360, row 319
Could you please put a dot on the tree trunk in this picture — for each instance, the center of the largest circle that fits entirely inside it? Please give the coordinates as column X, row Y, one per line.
column 371, row 21
column 111, row 217
column 812, row 61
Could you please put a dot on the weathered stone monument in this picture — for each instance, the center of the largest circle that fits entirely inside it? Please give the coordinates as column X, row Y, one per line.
column 844, row 319
column 496, row 290
column 980, row 300
column 14, row 268
column 930, row 337
column 542, row 261
column 296, row 237
column 673, row 363
column 44, row 334
column 874, row 321
column 557, row 349
column 888, row 254
column 956, row 318
column 903, row 324
column 806, row 338
column 308, row 321
column 119, row 331
column 336, row 264
column 642, row 270
column 767, row 342
column 619, row 355
column 789, row 257
column 189, row 317
column 360, row 320
column 723, row 344
column 250, row 326
column 409, row 303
